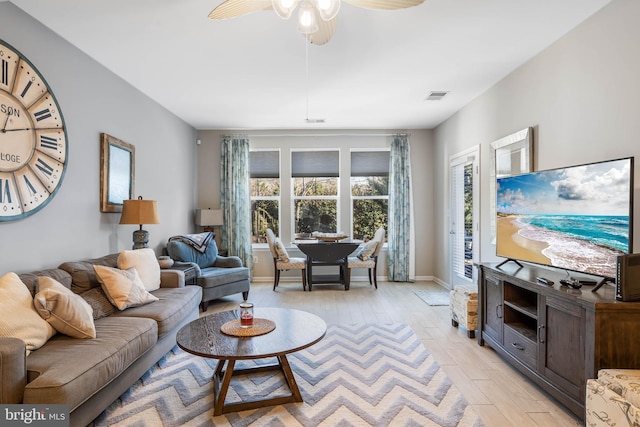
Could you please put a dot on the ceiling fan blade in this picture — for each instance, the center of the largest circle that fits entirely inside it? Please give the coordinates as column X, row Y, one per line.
column 385, row 4
column 233, row 8
column 326, row 29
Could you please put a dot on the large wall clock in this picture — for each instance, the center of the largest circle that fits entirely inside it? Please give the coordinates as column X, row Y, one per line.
column 33, row 138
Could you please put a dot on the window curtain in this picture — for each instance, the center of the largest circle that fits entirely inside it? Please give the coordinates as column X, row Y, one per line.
column 235, row 197
column 400, row 240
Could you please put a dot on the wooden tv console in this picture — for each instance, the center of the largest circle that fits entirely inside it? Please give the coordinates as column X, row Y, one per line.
column 555, row 335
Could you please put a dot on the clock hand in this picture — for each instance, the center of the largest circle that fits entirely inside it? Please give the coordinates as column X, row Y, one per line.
column 14, row 130
column 5, row 123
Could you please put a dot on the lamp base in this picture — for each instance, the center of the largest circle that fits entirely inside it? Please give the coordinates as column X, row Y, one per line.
column 140, row 239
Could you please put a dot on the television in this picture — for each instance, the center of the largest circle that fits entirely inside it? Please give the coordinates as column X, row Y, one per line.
column 577, row 218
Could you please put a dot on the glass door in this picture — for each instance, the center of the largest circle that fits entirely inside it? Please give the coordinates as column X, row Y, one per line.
column 463, row 217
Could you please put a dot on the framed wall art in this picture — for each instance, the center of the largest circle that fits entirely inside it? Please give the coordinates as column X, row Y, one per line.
column 117, row 173
column 510, row 155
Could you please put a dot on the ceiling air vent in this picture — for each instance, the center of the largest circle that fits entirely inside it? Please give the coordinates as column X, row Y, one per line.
column 436, row 96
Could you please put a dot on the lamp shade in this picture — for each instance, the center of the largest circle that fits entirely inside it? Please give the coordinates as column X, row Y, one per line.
column 139, row 211
column 209, row 217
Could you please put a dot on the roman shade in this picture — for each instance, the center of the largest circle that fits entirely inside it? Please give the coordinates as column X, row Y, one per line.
column 369, row 163
column 315, row 163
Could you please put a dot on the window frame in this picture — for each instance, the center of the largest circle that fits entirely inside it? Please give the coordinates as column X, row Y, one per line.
column 294, row 198
column 277, row 198
column 353, row 198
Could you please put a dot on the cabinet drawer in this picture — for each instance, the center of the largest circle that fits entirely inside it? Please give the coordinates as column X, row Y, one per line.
column 520, row 346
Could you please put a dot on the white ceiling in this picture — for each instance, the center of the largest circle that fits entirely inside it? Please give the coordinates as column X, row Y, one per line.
column 249, row 72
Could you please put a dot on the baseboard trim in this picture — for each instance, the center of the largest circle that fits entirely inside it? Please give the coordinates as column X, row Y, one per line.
column 269, row 279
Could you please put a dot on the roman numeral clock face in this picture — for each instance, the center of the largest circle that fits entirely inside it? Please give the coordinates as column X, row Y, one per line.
column 33, row 140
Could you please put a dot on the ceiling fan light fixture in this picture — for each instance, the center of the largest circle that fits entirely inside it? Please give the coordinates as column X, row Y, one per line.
column 307, row 23
column 328, row 8
column 285, row 8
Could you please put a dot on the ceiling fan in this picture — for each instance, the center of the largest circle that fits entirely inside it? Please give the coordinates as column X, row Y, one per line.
column 316, row 18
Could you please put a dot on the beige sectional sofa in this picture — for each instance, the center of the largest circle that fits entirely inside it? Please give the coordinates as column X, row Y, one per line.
column 89, row 374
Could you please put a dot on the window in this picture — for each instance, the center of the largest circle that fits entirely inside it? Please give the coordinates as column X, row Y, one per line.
column 315, row 182
column 264, row 173
column 369, row 192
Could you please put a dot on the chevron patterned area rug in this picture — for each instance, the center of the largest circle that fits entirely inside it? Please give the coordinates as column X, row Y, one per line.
column 358, row 375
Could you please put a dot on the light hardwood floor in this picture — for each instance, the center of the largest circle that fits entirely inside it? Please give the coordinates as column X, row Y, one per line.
column 500, row 395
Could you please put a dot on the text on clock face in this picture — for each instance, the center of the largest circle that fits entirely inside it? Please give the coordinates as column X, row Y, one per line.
column 9, row 110
column 8, row 157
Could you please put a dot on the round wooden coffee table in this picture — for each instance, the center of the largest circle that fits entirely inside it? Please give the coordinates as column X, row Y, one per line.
column 294, row 331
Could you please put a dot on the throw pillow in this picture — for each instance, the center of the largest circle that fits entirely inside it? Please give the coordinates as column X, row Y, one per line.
column 67, row 312
column 367, row 250
column 123, row 288
column 99, row 303
column 19, row 317
column 281, row 251
column 145, row 263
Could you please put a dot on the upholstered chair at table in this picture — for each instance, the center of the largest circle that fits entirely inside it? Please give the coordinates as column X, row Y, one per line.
column 366, row 256
column 283, row 262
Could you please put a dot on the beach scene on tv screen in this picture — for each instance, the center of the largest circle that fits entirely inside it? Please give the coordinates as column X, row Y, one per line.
column 576, row 218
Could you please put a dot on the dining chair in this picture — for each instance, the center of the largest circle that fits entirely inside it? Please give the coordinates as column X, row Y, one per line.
column 366, row 256
column 283, row 262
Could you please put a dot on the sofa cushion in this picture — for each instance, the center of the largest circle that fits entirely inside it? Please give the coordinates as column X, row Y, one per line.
column 19, row 317
column 67, row 312
column 123, row 287
column 83, row 276
column 30, row 279
column 68, row 370
column 214, row 276
column 181, row 251
column 145, row 263
column 173, row 306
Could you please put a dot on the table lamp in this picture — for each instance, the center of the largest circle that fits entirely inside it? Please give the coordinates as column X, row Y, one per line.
column 139, row 211
column 209, row 218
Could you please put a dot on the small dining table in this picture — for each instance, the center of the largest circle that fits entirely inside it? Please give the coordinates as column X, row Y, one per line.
column 321, row 254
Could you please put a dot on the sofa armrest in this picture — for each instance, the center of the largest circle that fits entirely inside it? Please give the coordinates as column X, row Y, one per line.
column 13, row 370
column 227, row 261
column 171, row 279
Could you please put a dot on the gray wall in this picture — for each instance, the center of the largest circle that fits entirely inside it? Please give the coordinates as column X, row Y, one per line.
column 582, row 97
column 422, row 175
column 94, row 100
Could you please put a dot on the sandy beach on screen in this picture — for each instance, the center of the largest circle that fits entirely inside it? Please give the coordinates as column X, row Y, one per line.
column 517, row 246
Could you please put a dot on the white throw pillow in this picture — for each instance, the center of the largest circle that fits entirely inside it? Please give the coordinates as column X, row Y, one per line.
column 281, row 251
column 67, row 312
column 367, row 250
column 18, row 316
column 145, row 263
column 123, row 287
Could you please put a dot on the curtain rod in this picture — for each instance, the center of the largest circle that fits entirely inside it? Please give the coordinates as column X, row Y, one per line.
column 280, row 135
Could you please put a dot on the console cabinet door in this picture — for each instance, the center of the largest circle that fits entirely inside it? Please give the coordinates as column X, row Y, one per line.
column 492, row 307
column 561, row 329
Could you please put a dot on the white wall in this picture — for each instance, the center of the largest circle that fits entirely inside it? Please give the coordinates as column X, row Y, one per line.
column 422, row 173
column 582, row 97
column 94, row 100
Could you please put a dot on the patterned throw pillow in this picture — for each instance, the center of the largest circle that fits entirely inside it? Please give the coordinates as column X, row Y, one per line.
column 123, row 287
column 99, row 302
column 367, row 250
column 67, row 312
column 281, row 251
